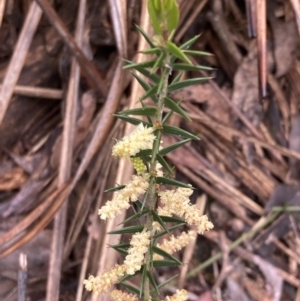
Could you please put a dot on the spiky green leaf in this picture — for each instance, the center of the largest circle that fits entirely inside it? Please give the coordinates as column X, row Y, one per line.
column 189, row 43
column 159, row 62
column 185, row 46
column 164, row 163
column 130, row 229
column 170, row 230
column 154, row 50
column 150, row 121
column 152, row 76
column 177, row 77
column 167, row 281
column 196, row 52
column 121, row 251
column 143, row 65
column 158, row 219
column 123, row 245
column 172, row 219
column 144, row 153
column 187, row 67
column 153, row 282
column 121, row 248
column 119, row 187
column 132, row 120
column 165, row 254
column 151, row 92
column 177, row 52
column 171, row 36
column 167, row 181
column 172, row 147
column 187, row 82
column 126, row 277
column 164, row 263
column 173, row 130
column 167, row 117
column 145, row 86
column 139, row 203
column 144, row 111
column 144, row 275
column 172, row 105
column 131, row 289
column 145, row 35
column 136, row 216
column 145, row 198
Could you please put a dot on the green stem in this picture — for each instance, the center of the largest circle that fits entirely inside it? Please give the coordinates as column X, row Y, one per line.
column 151, row 201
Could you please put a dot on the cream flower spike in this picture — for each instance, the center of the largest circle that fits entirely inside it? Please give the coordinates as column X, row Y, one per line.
column 101, row 284
column 139, row 246
column 138, row 185
column 118, row 295
column 180, row 295
column 174, row 244
column 159, row 172
column 156, row 227
column 141, row 138
column 177, row 202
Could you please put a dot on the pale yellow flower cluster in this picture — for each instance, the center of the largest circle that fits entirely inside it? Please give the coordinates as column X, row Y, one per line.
column 139, row 139
column 156, row 227
column 177, row 202
column 141, row 168
column 138, row 165
column 118, row 295
column 180, row 295
column 159, row 172
column 101, row 284
column 133, row 262
column 137, row 186
column 175, row 244
column 139, row 246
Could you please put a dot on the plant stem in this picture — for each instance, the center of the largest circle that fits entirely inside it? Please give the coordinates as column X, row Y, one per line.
column 151, row 202
column 234, row 244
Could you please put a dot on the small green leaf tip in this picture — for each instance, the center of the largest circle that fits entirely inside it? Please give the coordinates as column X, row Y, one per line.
column 164, row 16
column 177, row 52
